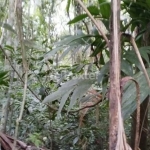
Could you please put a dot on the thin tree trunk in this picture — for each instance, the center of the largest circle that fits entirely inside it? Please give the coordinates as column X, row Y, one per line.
column 114, row 93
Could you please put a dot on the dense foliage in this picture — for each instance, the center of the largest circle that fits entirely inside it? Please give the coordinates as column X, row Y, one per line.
column 68, row 69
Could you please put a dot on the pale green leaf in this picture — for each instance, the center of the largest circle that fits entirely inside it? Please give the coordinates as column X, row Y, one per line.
column 76, row 140
column 54, row 96
column 79, row 91
column 63, row 101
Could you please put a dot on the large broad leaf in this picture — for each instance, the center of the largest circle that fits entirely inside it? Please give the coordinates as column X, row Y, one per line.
column 63, row 101
column 80, row 86
column 132, row 58
column 79, row 91
column 57, row 95
column 54, row 96
column 129, row 102
column 126, row 68
column 61, row 91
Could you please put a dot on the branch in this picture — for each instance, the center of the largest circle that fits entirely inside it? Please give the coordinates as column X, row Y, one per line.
column 140, row 59
column 94, row 21
column 17, row 72
column 87, row 106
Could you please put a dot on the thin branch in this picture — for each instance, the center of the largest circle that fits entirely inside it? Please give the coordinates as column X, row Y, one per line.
column 87, row 106
column 17, row 72
column 140, row 59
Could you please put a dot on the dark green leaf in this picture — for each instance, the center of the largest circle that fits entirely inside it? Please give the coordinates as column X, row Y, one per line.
column 93, row 10
column 105, row 8
column 77, row 19
column 126, row 67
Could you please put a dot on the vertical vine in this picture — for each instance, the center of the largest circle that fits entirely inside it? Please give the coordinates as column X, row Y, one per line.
column 24, row 61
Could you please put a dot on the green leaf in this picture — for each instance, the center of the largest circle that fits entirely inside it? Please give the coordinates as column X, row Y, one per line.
column 93, row 10
column 77, row 18
column 61, row 91
column 54, row 96
column 10, row 48
column 129, row 96
column 105, row 8
column 132, row 58
column 63, row 101
column 126, row 67
column 3, row 74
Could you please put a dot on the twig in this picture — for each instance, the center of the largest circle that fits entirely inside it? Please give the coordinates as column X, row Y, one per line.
column 87, row 106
